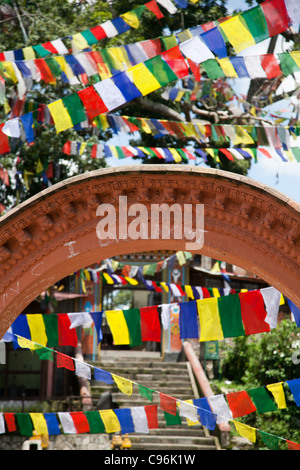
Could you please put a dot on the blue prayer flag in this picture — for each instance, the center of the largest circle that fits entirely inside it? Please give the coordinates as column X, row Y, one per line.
column 125, row 420
column 188, row 320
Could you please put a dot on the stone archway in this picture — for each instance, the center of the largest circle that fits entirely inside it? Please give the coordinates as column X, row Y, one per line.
column 54, row 233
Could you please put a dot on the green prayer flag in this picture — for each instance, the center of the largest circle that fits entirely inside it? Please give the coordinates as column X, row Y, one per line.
column 270, row 440
column 287, row 63
column 262, row 400
column 75, row 108
column 44, row 354
column 146, row 392
column 133, row 321
column 150, row 269
column 296, row 153
column 256, row 22
column 231, row 316
column 95, row 422
column 53, row 66
column 161, row 70
column 25, row 424
column 212, row 69
column 89, row 37
column 42, row 52
column 172, row 420
column 169, row 42
column 51, row 328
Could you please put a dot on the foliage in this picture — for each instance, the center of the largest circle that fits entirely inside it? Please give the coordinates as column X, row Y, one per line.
column 264, row 359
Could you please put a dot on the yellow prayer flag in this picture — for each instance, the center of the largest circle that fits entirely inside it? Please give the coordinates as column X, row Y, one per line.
column 108, row 279
column 110, row 421
column 164, row 286
column 181, row 258
column 175, row 154
column 60, row 116
column 28, row 53
column 119, row 58
column 242, row 136
column 39, row 167
column 227, row 67
column 143, row 79
column 209, row 318
column 131, row 281
column 215, row 268
column 189, row 292
column 179, row 96
column 79, row 42
column 9, row 71
column 296, row 56
column 39, row 423
column 215, row 292
column 64, row 66
column 245, row 431
column 118, row 326
column 278, row 394
column 237, row 33
column 124, row 385
column 145, row 126
column 282, row 301
column 26, row 343
column 132, row 19
column 37, row 328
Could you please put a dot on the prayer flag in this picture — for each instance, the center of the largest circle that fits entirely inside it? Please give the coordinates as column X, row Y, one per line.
column 188, row 320
column 66, row 336
column 139, row 419
column 52, row 423
column 220, row 408
column 80, row 422
column 95, row 422
column 10, row 422
column 276, row 16
column 25, row 424
column 151, row 413
column 123, row 384
column 37, row 328
column 231, row 316
column 278, row 394
column 60, row 115
column 39, row 423
column 125, row 420
column 240, row 403
column 110, row 421
column 143, row 79
column 262, row 400
column 167, row 403
column 207, row 417
column 133, row 321
column 92, row 102
column 270, row 440
column 118, row 326
column 150, row 324
column 62, row 360
column 294, row 386
column 145, row 392
column 237, row 33
column 245, row 431
column 253, row 312
column 209, row 319
column 67, row 422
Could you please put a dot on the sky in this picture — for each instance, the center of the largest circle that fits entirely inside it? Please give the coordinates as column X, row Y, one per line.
column 282, row 176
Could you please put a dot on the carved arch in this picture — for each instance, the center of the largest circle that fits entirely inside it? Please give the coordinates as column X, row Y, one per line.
column 54, row 233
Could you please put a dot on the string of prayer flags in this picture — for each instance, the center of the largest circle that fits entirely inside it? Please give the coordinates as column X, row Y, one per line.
column 211, row 410
column 209, row 318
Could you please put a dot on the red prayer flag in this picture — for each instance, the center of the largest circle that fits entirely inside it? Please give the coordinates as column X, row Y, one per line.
column 98, row 32
column 66, row 336
column 276, row 16
column 293, row 445
column 150, row 324
column 49, row 46
column 270, row 65
column 92, row 102
column 167, row 404
column 253, row 312
column 176, row 61
column 151, row 413
column 206, row 293
column 67, row 147
column 10, row 421
column 152, row 6
column 80, row 422
column 65, row 361
column 227, row 154
column 4, row 141
column 45, row 71
column 240, row 403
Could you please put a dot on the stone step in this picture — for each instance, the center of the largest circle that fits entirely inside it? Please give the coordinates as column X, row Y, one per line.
column 172, row 439
column 170, row 446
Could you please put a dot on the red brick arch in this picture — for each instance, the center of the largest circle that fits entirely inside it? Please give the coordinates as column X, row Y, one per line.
column 54, row 233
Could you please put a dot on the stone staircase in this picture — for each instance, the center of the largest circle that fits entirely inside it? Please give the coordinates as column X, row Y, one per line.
column 171, row 378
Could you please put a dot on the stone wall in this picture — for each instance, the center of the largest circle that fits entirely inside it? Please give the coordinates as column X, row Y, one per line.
column 61, row 442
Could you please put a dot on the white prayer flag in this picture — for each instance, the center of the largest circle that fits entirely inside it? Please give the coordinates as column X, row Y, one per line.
column 79, row 319
column 139, row 418
column 67, row 422
column 110, row 94
column 220, row 408
column 196, row 50
column 2, row 424
column 271, row 298
column 82, row 370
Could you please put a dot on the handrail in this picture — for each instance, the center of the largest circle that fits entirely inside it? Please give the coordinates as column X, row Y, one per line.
column 203, row 382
